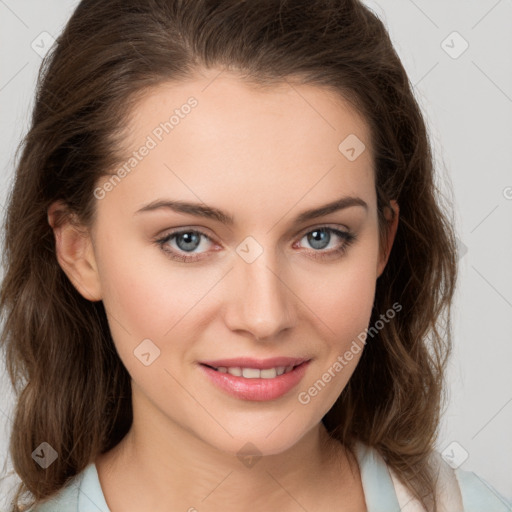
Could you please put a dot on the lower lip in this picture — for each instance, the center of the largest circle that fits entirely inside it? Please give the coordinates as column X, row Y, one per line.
column 256, row 389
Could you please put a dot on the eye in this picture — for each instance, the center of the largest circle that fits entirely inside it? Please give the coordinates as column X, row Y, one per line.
column 320, row 239
column 182, row 245
column 186, row 241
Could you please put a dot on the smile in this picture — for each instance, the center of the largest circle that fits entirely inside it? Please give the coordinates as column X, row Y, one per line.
column 255, row 373
column 255, row 384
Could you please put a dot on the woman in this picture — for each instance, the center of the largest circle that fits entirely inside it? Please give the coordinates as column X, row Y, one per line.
column 228, row 271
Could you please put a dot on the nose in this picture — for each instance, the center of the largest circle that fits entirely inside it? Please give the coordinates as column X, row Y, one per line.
column 262, row 303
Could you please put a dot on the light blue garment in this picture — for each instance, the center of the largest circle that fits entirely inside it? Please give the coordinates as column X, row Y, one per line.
column 84, row 493
column 380, row 496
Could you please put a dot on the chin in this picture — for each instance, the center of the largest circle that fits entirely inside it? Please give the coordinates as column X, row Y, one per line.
column 261, row 441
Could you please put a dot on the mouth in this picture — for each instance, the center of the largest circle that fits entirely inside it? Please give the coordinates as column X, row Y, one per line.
column 255, row 380
column 254, row 373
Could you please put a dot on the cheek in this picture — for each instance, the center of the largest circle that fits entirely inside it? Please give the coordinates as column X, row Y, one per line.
column 346, row 310
column 147, row 297
column 140, row 303
column 344, row 301
column 354, row 305
column 138, row 300
column 344, row 306
column 146, row 310
column 141, row 289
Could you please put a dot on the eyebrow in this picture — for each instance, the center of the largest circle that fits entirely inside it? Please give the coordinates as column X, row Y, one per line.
column 209, row 212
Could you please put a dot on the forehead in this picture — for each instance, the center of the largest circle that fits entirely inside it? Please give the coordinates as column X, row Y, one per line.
column 228, row 105
column 217, row 134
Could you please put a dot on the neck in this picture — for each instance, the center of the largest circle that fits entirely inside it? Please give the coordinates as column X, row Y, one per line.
column 179, row 471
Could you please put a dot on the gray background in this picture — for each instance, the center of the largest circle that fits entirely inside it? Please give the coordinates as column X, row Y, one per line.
column 467, row 101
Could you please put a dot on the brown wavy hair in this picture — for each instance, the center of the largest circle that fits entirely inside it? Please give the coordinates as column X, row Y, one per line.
column 72, row 389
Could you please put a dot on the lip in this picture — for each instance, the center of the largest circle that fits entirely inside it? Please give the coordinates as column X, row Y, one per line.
column 258, row 390
column 260, row 364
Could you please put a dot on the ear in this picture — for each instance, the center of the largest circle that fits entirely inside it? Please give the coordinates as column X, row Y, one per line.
column 392, row 225
column 74, row 250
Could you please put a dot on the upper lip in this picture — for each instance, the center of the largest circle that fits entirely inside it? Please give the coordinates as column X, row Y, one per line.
column 260, row 364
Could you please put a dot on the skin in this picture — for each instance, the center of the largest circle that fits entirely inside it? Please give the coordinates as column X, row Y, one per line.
column 262, row 156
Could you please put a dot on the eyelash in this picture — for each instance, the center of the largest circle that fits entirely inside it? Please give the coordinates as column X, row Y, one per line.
column 347, row 236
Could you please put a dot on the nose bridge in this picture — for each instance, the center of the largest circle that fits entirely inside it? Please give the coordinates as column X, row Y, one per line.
column 262, row 304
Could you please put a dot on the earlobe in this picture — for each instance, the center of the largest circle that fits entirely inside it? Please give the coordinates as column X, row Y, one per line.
column 74, row 251
column 392, row 225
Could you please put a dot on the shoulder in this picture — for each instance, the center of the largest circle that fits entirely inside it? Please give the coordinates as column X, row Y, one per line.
column 474, row 492
column 479, row 495
column 457, row 491
column 82, row 493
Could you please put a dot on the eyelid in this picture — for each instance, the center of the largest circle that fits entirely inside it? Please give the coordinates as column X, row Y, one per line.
column 314, row 227
column 202, row 231
column 168, row 235
column 184, row 229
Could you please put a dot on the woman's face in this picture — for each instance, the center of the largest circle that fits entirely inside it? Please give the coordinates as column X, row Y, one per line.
column 273, row 287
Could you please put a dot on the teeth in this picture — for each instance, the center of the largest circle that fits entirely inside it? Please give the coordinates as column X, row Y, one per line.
column 255, row 373
column 270, row 373
column 251, row 373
